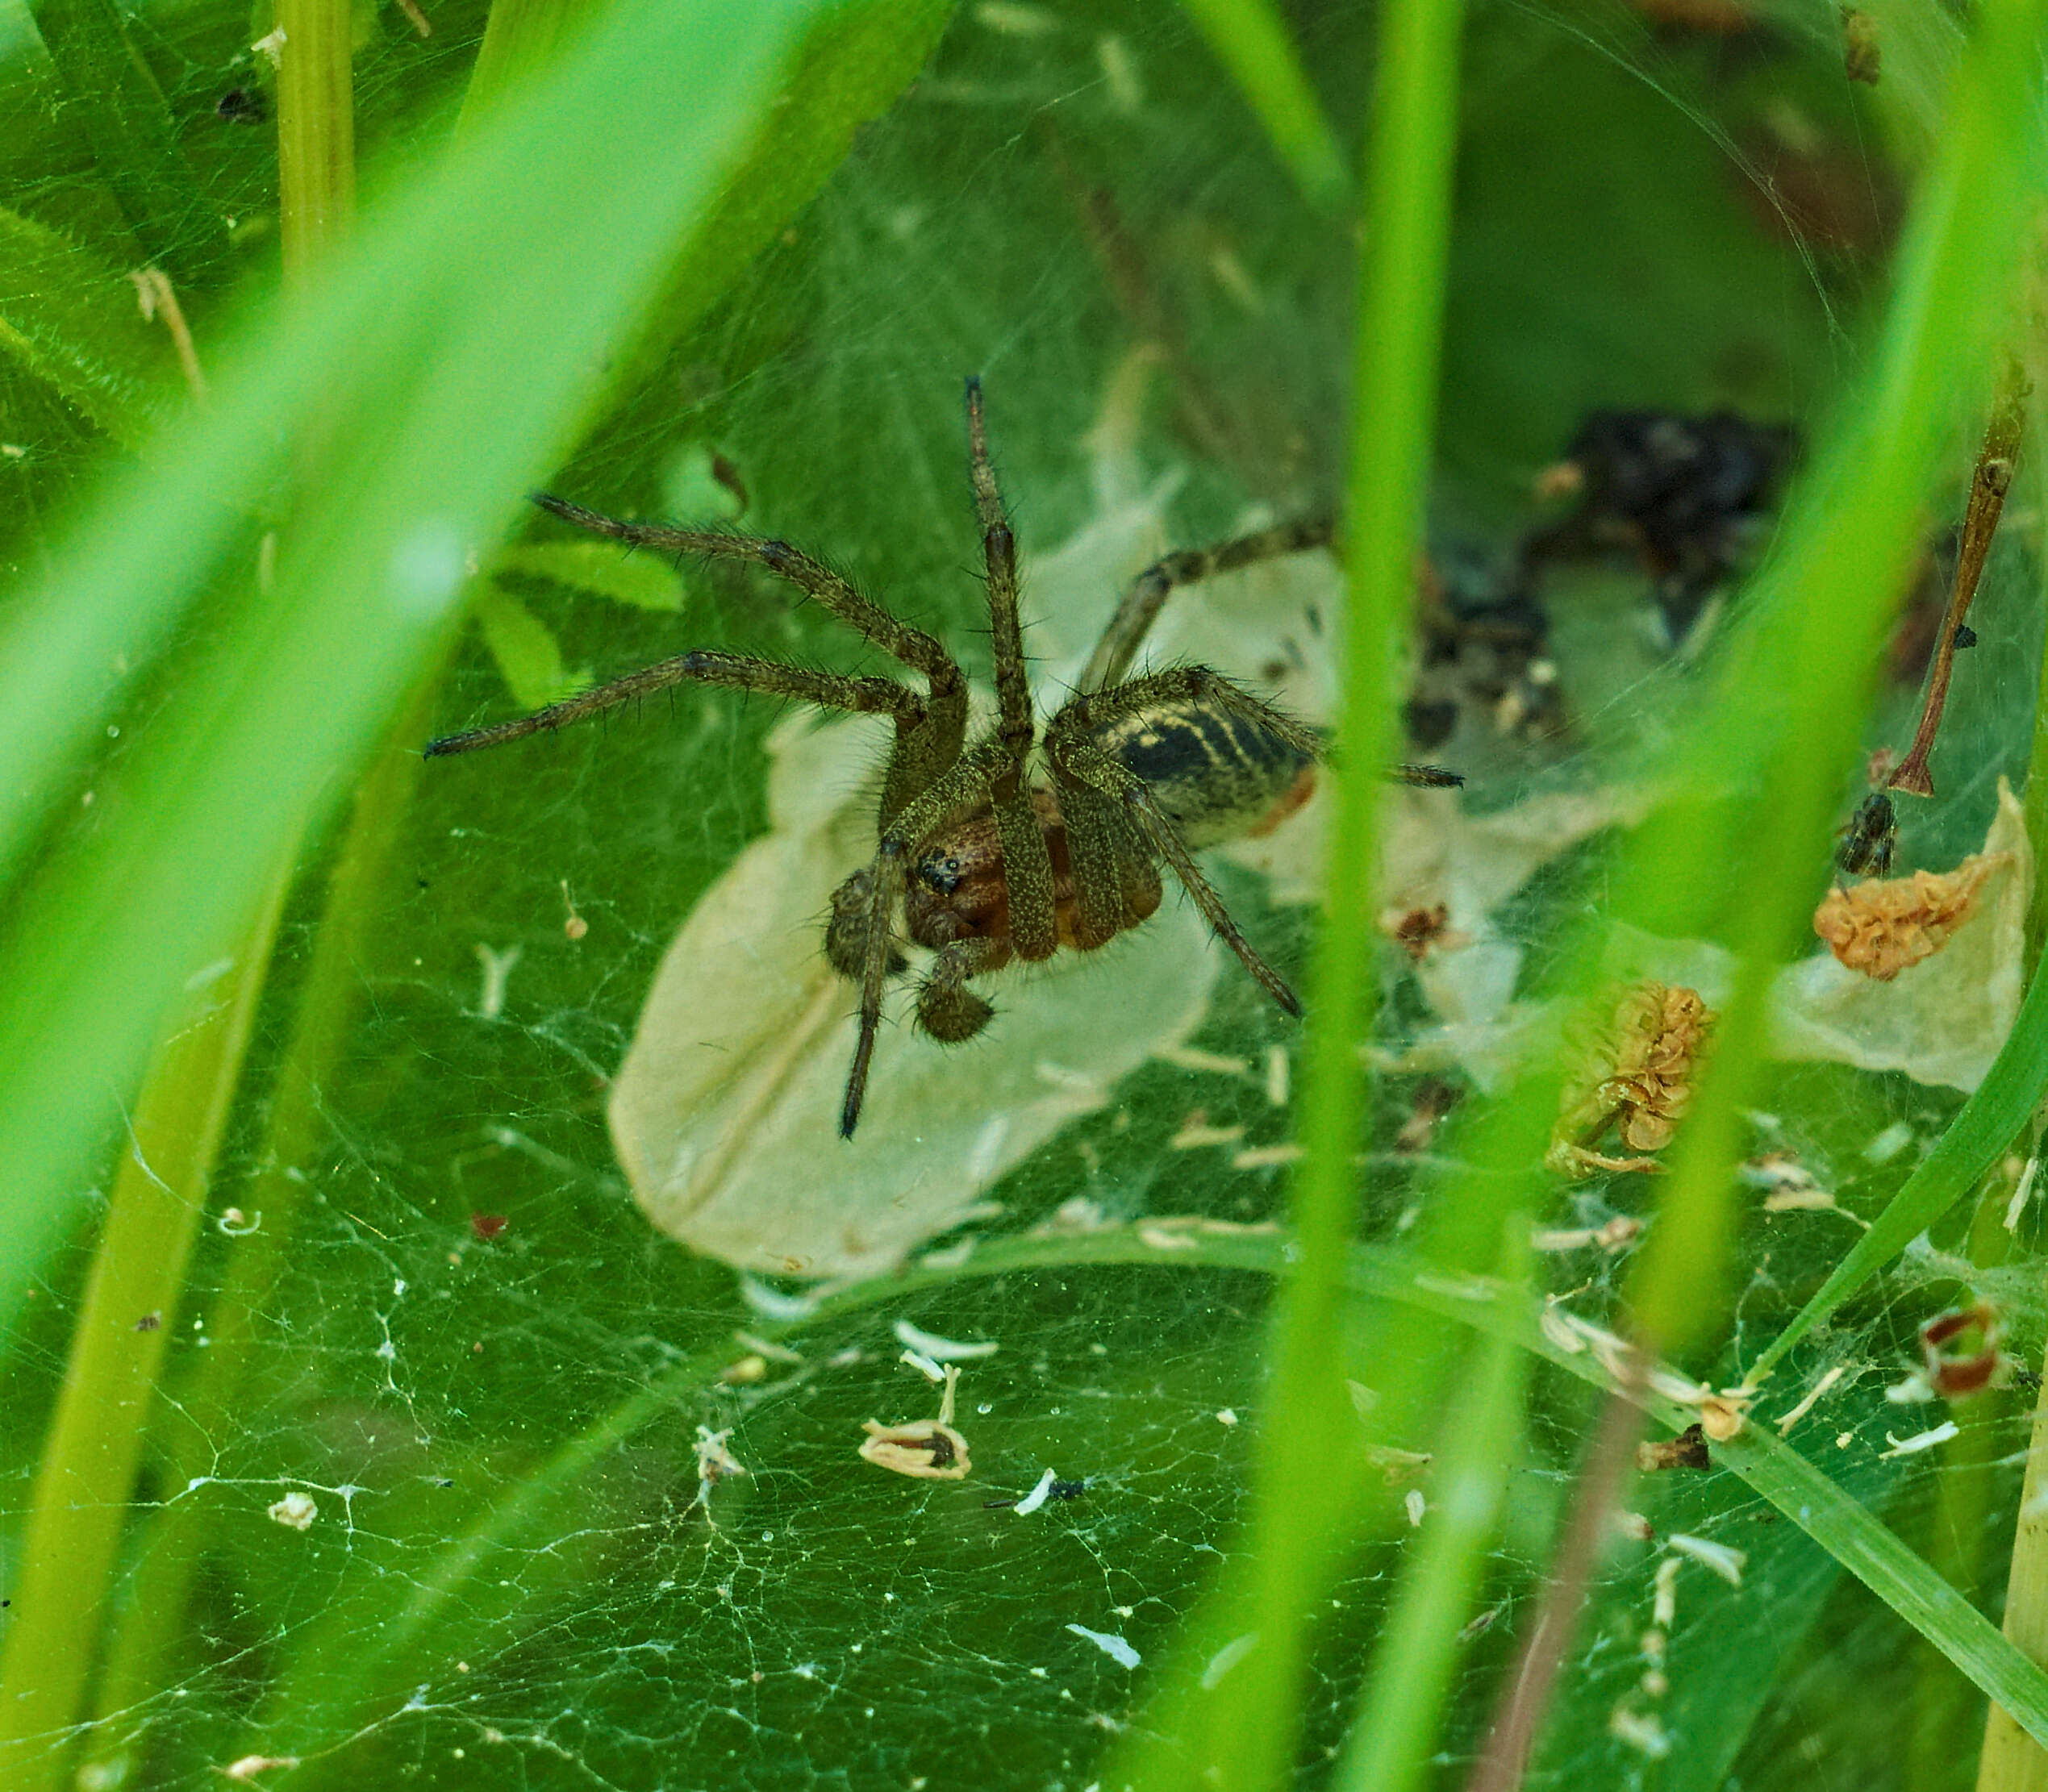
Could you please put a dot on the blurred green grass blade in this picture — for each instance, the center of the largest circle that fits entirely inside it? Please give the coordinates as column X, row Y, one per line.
column 862, row 57
column 533, row 250
column 1413, row 1665
column 85, row 1478
column 1251, row 40
column 1981, row 1133
column 1247, row 1728
column 1782, row 727
column 117, row 108
column 77, row 324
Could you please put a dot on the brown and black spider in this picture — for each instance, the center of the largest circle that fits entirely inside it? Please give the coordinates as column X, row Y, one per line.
column 984, row 864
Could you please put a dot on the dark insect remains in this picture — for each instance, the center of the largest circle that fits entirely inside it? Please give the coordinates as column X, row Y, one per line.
column 1868, row 837
column 1027, row 839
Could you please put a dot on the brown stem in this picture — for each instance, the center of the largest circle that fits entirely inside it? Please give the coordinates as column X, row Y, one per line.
column 1987, row 489
column 1524, row 1698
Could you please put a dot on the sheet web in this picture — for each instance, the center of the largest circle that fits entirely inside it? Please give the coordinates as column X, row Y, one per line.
column 447, row 1518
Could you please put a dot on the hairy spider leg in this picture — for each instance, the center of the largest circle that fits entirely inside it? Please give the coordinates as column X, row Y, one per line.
column 1147, row 593
column 733, row 671
column 929, row 735
column 1027, row 866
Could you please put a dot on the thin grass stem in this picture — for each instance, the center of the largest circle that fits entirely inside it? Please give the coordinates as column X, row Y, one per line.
column 316, row 129
column 1250, row 39
column 1389, row 1748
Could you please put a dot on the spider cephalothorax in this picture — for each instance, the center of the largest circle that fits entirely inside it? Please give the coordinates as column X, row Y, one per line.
column 979, row 858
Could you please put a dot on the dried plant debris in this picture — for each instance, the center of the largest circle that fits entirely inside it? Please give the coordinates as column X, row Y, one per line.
column 1862, row 59
column 1483, row 652
column 1941, row 1022
column 1988, row 486
column 1959, row 1351
column 1942, row 1012
column 1439, row 855
column 1689, row 497
column 1687, row 1450
column 1869, row 837
column 925, row 1449
column 1884, row 926
column 1421, row 931
column 1639, row 1084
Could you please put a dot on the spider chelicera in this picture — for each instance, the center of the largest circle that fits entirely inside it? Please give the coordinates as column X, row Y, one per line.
column 982, row 862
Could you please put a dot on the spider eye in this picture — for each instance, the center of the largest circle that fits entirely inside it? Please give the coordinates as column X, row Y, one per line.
column 940, row 874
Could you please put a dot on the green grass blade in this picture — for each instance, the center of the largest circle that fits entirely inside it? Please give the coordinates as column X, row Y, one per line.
column 1876, row 1556
column 1249, row 1725
column 534, row 250
column 1250, row 39
column 1979, row 1135
column 1417, row 1652
column 316, row 129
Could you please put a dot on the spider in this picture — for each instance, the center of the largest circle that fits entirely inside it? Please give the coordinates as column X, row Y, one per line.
column 984, row 860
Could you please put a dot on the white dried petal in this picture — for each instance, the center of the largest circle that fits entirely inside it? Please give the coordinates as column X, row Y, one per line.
column 1726, row 1562
column 1114, row 1646
column 1036, row 1498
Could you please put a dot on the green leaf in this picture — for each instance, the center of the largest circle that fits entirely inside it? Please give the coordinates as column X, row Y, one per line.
column 594, row 568
column 524, row 648
column 79, row 327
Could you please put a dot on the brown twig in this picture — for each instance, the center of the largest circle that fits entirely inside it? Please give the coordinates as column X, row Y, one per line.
column 1524, row 1698
column 1987, row 489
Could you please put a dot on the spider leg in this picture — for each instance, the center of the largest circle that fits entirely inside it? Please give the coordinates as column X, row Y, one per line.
column 860, row 696
column 1097, row 848
column 1027, row 866
column 1146, row 595
column 972, row 779
column 1082, row 760
column 922, row 753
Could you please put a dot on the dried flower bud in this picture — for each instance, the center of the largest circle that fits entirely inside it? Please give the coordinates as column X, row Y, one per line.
column 1884, row 926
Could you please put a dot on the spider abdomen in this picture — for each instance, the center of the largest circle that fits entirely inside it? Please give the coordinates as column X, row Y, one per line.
column 1217, row 775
